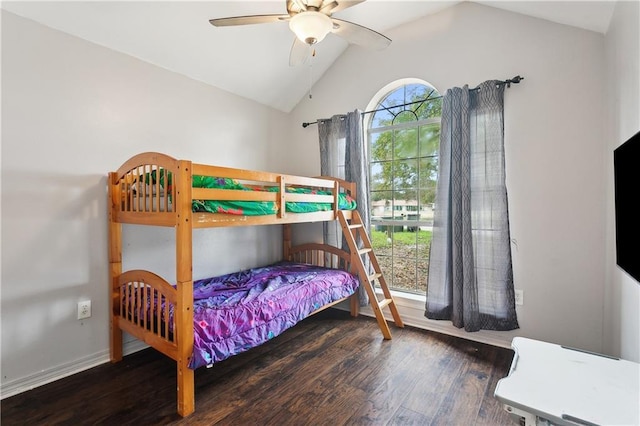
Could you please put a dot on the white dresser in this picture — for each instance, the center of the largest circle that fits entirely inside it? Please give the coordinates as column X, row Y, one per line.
column 550, row 384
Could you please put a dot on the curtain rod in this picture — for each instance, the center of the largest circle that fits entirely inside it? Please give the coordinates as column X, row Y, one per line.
column 515, row 80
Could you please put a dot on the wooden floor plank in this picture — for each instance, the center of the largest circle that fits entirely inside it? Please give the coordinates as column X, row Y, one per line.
column 447, row 360
column 400, row 378
column 330, row 369
column 468, row 389
column 491, row 410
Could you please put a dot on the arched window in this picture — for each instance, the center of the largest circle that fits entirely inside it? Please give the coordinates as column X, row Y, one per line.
column 404, row 138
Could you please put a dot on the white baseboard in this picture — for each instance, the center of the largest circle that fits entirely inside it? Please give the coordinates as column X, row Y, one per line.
column 411, row 311
column 24, row 384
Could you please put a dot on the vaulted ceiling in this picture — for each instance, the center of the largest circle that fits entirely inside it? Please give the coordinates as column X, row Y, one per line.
column 252, row 60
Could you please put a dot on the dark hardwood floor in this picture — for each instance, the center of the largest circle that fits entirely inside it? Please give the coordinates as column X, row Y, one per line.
column 328, row 370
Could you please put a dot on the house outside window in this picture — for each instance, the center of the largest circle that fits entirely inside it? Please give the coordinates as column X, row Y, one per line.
column 404, row 138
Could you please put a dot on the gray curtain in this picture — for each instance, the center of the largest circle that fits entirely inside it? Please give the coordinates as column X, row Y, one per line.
column 470, row 272
column 343, row 154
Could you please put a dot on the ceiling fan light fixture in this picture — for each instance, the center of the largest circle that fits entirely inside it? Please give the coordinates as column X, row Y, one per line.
column 311, row 27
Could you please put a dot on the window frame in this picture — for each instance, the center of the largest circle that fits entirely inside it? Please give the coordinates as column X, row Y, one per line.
column 400, row 210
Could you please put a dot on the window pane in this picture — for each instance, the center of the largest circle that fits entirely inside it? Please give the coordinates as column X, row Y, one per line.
column 406, row 143
column 416, row 91
column 427, row 198
column 429, row 139
column 428, row 173
column 383, row 197
column 381, row 204
column 380, row 176
column 397, row 213
column 381, row 118
column 422, row 267
column 381, row 146
column 405, row 178
column 431, row 109
column 405, row 114
column 405, row 258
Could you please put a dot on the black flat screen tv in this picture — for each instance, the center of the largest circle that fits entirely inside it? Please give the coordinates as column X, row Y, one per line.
column 626, row 163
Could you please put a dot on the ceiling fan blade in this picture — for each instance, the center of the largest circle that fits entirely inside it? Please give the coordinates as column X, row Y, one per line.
column 248, row 20
column 296, row 6
column 357, row 34
column 333, row 6
column 300, row 53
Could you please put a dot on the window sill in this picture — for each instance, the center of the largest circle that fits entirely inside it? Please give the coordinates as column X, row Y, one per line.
column 411, row 308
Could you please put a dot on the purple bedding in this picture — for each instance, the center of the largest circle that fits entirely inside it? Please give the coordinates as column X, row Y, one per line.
column 236, row 312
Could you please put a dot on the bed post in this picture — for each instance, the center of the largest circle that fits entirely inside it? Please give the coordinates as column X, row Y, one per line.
column 184, row 312
column 115, row 268
column 354, row 305
column 286, row 242
column 354, row 301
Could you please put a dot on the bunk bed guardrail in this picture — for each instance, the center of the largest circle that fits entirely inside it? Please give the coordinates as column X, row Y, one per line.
column 145, row 191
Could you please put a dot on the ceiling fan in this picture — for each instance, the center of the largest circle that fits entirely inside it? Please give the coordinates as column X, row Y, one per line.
column 311, row 21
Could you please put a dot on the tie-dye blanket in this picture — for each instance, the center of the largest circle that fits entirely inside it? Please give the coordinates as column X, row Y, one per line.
column 238, row 311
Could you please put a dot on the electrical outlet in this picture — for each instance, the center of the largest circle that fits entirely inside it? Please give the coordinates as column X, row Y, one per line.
column 84, row 309
column 519, row 297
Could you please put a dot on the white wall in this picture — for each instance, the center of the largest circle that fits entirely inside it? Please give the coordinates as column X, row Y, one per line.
column 554, row 145
column 71, row 112
column 622, row 308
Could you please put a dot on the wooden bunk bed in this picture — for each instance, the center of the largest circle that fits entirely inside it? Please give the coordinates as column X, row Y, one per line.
column 157, row 190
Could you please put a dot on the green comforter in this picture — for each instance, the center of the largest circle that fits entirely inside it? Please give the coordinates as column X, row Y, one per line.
column 254, row 208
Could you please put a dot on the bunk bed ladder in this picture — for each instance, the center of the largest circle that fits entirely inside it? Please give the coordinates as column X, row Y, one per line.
column 353, row 232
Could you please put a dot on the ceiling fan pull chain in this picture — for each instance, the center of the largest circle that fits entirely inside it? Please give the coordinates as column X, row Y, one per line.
column 313, row 54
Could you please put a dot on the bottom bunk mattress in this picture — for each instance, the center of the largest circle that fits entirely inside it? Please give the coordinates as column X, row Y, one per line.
column 235, row 312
